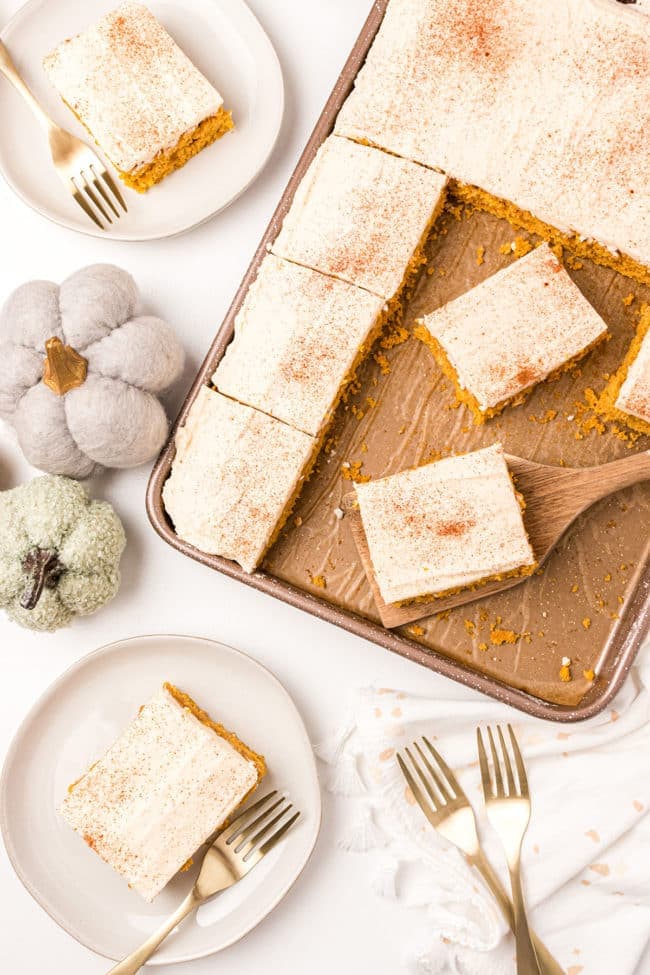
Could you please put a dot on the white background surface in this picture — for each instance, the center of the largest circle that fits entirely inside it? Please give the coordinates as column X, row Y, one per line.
column 331, row 921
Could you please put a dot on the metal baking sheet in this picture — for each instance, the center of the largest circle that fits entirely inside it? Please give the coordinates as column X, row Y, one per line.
column 591, row 603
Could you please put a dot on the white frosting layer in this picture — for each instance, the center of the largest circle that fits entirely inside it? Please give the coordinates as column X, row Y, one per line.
column 515, row 328
column 158, row 793
column 634, row 394
column 297, row 336
column 545, row 104
column 443, row 526
column 360, row 214
column 234, row 473
column 131, row 86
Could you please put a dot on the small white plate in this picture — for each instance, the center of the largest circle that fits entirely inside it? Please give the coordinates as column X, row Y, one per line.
column 223, row 39
column 76, row 720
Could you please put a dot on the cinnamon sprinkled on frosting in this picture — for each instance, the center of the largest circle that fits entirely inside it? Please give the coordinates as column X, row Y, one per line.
column 131, row 85
column 360, row 215
column 515, row 328
column 443, row 526
column 297, row 337
column 159, row 791
column 544, row 104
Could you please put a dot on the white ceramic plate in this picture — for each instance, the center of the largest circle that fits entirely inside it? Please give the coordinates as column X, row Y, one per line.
column 224, row 40
column 74, row 722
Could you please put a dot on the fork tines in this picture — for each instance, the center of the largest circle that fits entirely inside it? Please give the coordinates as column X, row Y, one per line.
column 252, row 830
column 96, row 192
column 433, row 775
column 498, row 775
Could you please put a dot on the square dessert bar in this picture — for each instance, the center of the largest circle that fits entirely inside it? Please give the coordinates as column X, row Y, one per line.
column 235, row 477
column 299, row 336
column 512, row 331
column 538, row 112
column 449, row 525
column 361, row 215
column 140, row 97
column 626, row 397
column 168, row 782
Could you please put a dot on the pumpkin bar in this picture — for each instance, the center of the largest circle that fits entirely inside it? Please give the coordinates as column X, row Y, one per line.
column 235, row 477
column 626, row 397
column 143, row 101
column 524, row 324
column 446, row 526
column 166, row 784
column 299, row 337
column 361, row 215
column 538, row 112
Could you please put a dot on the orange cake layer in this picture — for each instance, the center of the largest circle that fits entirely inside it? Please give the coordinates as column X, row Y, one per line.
column 626, row 398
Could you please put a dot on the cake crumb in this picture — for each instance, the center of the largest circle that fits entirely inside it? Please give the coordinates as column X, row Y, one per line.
column 383, row 363
column 297, row 521
column 396, row 336
column 352, row 472
column 415, row 630
column 500, row 636
column 586, row 622
column 470, row 626
column 338, row 513
column 319, row 581
column 482, row 646
column 628, row 299
column 480, row 255
column 565, row 674
column 588, row 675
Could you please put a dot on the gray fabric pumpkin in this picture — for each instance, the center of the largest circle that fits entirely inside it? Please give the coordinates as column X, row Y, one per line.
column 80, row 375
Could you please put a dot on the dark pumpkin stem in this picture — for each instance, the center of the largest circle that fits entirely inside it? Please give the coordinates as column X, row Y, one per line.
column 44, row 569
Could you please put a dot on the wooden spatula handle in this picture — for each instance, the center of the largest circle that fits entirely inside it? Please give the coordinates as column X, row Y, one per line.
column 599, row 482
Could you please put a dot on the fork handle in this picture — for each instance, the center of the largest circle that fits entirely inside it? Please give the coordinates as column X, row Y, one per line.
column 546, row 963
column 526, row 957
column 134, row 962
column 10, row 71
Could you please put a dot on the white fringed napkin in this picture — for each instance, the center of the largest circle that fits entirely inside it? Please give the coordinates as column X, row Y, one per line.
column 586, row 854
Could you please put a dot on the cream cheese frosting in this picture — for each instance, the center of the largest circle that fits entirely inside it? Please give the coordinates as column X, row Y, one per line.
column 297, row 337
column 360, row 214
column 158, row 793
column 234, row 475
column 546, row 105
column 131, row 86
column 634, row 395
column 515, row 328
column 443, row 526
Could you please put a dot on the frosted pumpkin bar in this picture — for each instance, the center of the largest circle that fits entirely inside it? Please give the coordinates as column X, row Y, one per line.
column 443, row 527
column 143, row 101
column 538, row 112
column 235, row 477
column 527, row 322
column 166, row 784
column 626, row 397
column 299, row 336
column 361, row 215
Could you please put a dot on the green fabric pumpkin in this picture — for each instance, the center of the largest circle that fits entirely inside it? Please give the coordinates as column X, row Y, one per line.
column 59, row 552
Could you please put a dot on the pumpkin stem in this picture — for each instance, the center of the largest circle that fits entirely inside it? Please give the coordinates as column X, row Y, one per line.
column 44, row 569
column 64, row 368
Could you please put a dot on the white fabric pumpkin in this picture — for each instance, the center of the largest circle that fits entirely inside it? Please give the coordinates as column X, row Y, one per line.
column 112, row 417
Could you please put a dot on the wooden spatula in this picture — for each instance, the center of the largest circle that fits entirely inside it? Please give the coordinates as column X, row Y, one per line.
column 554, row 496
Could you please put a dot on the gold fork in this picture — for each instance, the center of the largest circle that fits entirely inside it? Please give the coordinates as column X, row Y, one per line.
column 507, row 804
column 443, row 801
column 234, row 853
column 79, row 168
